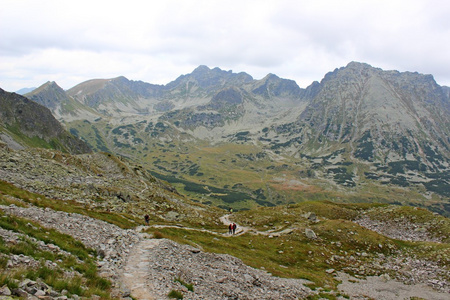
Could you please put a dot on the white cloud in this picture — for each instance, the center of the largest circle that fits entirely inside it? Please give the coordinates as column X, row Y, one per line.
column 156, row 41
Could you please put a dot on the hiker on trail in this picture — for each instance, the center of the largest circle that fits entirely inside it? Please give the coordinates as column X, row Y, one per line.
column 147, row 218
column 230, row 228
column 234, row 228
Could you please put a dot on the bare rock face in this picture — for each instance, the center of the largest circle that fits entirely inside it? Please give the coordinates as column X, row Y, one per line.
column 380, row 112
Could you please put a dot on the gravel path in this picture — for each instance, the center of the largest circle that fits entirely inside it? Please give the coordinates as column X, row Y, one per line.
column 136, row 270
column 157, row 267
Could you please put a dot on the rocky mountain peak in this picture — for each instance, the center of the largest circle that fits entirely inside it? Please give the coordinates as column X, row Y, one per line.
column 272, row 85
column 391, row 115
column 50, row 94
column 201, row 70
column 209, row 79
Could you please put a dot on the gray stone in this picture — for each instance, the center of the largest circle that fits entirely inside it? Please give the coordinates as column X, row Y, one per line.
column 39, row 293
column 20, row 292
column 311, row 216
column 4, row 290
column 310, row 234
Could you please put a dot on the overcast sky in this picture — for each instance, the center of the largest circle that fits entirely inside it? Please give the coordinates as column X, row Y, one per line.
column 156, row 41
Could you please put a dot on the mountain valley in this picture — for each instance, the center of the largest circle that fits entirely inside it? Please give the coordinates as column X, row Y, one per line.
column 361, row 134
column 339, row 190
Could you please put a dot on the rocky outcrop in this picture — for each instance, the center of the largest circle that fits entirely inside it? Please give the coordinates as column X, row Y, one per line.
column 400, row 229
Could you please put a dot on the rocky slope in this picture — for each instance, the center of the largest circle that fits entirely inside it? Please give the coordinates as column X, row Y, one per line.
column 29, row 123
column 99, row 180
column 384, row 115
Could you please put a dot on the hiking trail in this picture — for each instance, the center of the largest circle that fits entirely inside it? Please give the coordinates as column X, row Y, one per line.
column 137, row 268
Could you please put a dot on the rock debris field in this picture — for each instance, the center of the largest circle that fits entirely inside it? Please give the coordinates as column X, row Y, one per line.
column 146, row 268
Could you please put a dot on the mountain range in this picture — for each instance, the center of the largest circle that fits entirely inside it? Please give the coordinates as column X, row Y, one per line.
column 74, row 192
column 358, row 125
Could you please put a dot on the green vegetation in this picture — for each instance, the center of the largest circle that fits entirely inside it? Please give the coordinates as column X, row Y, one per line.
column 206, row 173
column 58, row 275
column 121, row 220
column 293, row 255
column 189, row 286
column 33, row 141
column 173, row 294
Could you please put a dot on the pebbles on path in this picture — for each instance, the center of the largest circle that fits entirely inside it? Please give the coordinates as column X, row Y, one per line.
column 213, row 276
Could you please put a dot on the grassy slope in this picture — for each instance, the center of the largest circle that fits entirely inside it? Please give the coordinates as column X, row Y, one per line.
column 294, row 255
column 81, row 259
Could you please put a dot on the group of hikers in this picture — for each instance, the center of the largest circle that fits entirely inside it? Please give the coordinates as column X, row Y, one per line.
column 232, row 228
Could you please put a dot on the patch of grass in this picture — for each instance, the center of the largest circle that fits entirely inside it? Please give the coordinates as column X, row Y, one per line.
column 81, row 259
column 175, row 294
column 47, row 235
column 294, row 262
column 3, row 262
column 189, row 286
column 294, row 255
column 6, row 279
column 158, row 235
column 54, row 278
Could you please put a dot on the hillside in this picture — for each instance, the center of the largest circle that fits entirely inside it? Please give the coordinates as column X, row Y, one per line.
column 81, row 217
column 25, row 123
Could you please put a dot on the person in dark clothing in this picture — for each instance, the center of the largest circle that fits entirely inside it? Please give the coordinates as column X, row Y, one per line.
column 147, row 218
column 234, row 228
column 230, row 228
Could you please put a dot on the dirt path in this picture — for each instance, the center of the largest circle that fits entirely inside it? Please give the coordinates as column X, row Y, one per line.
column 136, row 270
column 239, row 229
column 242, row 229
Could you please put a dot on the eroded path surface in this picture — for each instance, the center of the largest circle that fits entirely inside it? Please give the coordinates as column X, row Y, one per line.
column 136, row 271
column 157, row 267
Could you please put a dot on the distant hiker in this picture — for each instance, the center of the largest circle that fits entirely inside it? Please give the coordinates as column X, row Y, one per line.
column 231, row 210
column 147, row 218
column 230, row 228
column 234, row 228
